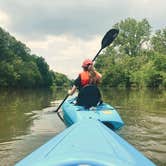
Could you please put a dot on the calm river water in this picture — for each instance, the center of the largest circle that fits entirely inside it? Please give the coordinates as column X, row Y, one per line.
column 27, row 121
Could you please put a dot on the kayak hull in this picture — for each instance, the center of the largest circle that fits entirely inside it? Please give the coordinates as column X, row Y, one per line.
column 87, row 142
column 104, row 113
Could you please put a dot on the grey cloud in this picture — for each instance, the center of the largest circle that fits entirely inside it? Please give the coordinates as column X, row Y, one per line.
column 36, row 19
column 81, row 19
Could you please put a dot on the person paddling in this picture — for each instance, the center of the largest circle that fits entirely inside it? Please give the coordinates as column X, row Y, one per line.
column 108, row 38
column 89, row 76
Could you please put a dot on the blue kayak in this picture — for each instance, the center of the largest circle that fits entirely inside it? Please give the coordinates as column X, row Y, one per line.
column 89, row 143
column 105, row 113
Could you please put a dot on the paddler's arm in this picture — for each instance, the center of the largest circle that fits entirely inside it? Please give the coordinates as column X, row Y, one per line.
column 76, row 85
column 99, row 76
column 72, row 90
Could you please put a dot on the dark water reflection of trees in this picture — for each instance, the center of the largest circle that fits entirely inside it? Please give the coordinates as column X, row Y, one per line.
column 17, row 110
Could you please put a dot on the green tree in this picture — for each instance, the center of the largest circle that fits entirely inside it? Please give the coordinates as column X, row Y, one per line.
column 29, row 75
column 61, row 80
column 18, row 68
column 128, row 63
column 44, row 70
column 133, row 34
column 158, row 41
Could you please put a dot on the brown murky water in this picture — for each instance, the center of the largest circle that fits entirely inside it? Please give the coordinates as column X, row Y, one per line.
column 26, row 121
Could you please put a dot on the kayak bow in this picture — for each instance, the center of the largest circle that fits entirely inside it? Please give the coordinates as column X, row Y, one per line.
column 89, row 143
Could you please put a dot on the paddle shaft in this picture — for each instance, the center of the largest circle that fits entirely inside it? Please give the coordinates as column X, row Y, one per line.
column 97, row 55
column 61, row 103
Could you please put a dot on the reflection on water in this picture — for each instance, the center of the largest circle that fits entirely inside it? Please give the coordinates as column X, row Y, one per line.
column 16, row 111
column 26, row 121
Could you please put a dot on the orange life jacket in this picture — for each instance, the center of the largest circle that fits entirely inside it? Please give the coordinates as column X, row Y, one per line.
column 86, row 78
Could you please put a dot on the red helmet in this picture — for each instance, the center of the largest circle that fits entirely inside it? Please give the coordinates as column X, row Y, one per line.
column 87, row 62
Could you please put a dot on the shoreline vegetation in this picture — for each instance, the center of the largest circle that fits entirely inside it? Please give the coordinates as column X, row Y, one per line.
column 136, row 59
column 20, row 69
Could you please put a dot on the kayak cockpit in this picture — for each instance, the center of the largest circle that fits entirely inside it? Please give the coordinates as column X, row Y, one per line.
column 105, row 113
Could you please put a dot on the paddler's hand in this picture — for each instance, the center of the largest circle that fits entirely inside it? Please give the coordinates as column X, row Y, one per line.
column 91, row 68
column 69, row 92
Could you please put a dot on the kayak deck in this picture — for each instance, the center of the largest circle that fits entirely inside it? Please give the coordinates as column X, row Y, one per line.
column 105, row 113
column 89, row 143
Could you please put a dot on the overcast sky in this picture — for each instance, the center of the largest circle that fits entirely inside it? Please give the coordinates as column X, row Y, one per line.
column 65, row 32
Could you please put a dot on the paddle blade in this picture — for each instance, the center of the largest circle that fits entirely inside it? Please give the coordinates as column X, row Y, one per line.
column 109, row 37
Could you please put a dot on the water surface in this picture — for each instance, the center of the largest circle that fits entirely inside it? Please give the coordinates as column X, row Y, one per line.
column 27, row 121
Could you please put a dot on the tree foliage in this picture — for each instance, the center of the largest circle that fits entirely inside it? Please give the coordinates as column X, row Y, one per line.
column 131, row 60
column 136, row 58
column 19, row 68
column 132, row 35
column 159, row 41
